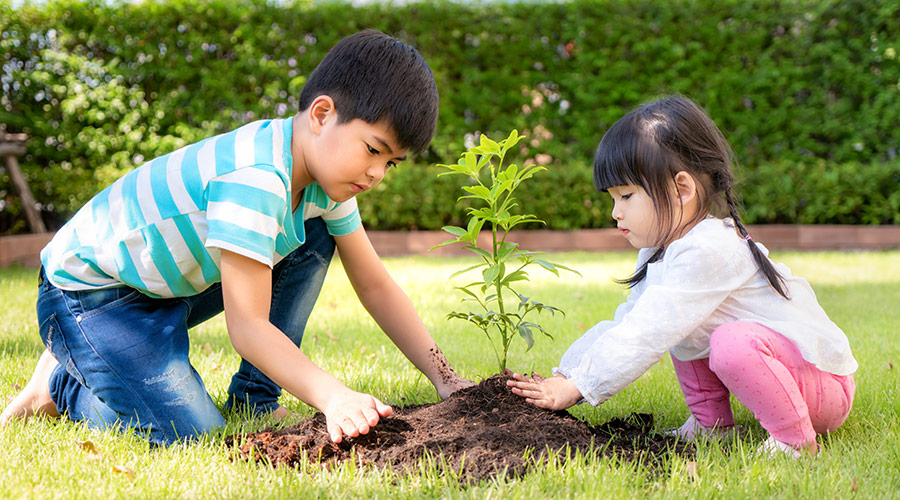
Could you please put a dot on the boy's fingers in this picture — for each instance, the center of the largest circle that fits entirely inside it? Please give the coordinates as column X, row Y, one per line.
column 361, row 422
column 334, row 432
column 382, row 409
column 349, row 427
column 371, row 416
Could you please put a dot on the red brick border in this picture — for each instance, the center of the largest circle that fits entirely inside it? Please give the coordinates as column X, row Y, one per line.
column 22, row 249
column 25, row 249
column 775, row 237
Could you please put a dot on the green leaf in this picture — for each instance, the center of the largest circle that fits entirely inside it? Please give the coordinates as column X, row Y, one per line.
column 454, row 230
column 481, row 252
column 471, row 162
column 525, row 333
column 474, row 228
column 537, row 327
column 560, row 266
column 482, row 213
column 489, row 146
column 463, row 271
column 483, row 160
column 467, row 292
column 519, row 275
column 547, row 265
column 490, row 274
column 505, row 248
column 512, row 140
column 480, row 192
column 444, row 243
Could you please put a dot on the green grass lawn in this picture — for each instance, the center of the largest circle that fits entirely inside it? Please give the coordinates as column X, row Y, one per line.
column 860, row 291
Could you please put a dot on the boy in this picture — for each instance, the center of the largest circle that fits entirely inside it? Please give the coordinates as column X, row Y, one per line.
column 245, row 222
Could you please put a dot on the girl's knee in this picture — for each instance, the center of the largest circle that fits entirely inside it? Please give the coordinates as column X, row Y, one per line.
column 731, row 346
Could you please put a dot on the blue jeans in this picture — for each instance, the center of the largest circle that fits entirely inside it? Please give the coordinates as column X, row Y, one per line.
column 124, row 356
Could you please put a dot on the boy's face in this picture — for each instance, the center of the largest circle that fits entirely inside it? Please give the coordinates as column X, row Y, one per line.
column 352, row 157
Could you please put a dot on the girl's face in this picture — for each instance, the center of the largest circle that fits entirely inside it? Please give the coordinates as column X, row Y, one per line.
column 635, row 214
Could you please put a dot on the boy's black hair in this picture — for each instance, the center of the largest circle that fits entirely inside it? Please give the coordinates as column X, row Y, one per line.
column 374, row 77
column 650, row 145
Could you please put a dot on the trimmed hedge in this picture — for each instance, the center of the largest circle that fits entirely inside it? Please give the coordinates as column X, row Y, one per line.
column 807, row 92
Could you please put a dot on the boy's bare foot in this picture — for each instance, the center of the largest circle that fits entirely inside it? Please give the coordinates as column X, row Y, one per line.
column 34, row 400
column 281, row 413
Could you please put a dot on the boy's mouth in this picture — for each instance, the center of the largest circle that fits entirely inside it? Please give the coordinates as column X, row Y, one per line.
column 359, row 188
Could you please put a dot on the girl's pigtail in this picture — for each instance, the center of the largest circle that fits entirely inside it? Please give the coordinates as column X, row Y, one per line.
column 641, row 273
column 765, row 265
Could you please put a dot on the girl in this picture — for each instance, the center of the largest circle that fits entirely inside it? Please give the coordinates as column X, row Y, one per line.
column 734, row 322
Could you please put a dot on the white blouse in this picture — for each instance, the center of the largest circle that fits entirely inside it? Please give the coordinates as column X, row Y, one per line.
column 705, row 279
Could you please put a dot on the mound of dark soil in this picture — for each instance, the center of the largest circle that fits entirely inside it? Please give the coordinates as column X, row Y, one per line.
column 480, row 431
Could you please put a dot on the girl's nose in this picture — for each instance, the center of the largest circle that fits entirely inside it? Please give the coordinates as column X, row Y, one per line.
column 616, row 213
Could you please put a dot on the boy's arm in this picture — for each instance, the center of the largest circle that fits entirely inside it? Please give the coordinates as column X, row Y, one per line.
column 246, row 291
column 393, row 311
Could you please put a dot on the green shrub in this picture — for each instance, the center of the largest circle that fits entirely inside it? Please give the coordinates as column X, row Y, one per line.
column 799, row 85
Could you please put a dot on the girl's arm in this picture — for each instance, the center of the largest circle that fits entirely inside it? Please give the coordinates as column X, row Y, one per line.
column 392, row 310
column 681, row 292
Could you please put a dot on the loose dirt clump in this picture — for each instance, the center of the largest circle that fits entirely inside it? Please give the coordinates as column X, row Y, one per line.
column 481, row 431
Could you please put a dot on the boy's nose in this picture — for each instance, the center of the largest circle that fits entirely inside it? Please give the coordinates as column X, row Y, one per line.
column 376, row 173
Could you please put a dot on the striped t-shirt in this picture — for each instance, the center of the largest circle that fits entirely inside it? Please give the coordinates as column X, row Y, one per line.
column 160, row 228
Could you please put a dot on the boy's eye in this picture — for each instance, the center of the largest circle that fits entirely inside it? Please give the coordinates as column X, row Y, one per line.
column 391, row 164
column 373, row 150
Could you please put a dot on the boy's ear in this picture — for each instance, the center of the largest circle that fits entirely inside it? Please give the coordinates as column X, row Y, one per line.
column 685, row 187
column 320, row 111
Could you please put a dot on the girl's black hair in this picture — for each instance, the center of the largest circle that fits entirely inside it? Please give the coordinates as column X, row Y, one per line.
column 650, row 145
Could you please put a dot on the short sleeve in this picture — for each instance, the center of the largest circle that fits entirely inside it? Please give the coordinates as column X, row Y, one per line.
column 342, row 219
column 245, row 212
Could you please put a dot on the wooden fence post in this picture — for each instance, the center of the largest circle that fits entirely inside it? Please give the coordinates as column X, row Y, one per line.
column 11, row 147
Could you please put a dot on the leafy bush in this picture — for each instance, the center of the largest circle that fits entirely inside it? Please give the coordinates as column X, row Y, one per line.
column 798, row 85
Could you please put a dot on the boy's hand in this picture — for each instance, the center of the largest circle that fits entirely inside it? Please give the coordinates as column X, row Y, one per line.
column 552, row 393
column 453, row 384
column 353, row 413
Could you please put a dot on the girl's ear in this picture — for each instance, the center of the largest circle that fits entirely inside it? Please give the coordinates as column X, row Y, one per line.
column 685, row 187
column 320, row 111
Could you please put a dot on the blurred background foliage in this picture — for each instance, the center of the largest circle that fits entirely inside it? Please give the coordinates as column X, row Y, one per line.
column 807, row 92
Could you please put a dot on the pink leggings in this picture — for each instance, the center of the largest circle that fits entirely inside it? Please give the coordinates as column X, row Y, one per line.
column 791, row 398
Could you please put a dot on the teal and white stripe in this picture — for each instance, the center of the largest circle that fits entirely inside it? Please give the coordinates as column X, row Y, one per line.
column 160, row 228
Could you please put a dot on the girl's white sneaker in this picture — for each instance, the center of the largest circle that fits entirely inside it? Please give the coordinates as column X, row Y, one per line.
column 692, row 429
column 772, row 447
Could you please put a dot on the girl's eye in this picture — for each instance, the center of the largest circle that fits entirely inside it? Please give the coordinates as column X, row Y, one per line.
column 626, row 196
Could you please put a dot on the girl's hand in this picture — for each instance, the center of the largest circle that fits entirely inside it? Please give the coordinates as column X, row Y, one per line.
column 353, row 413
column 553, row 393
